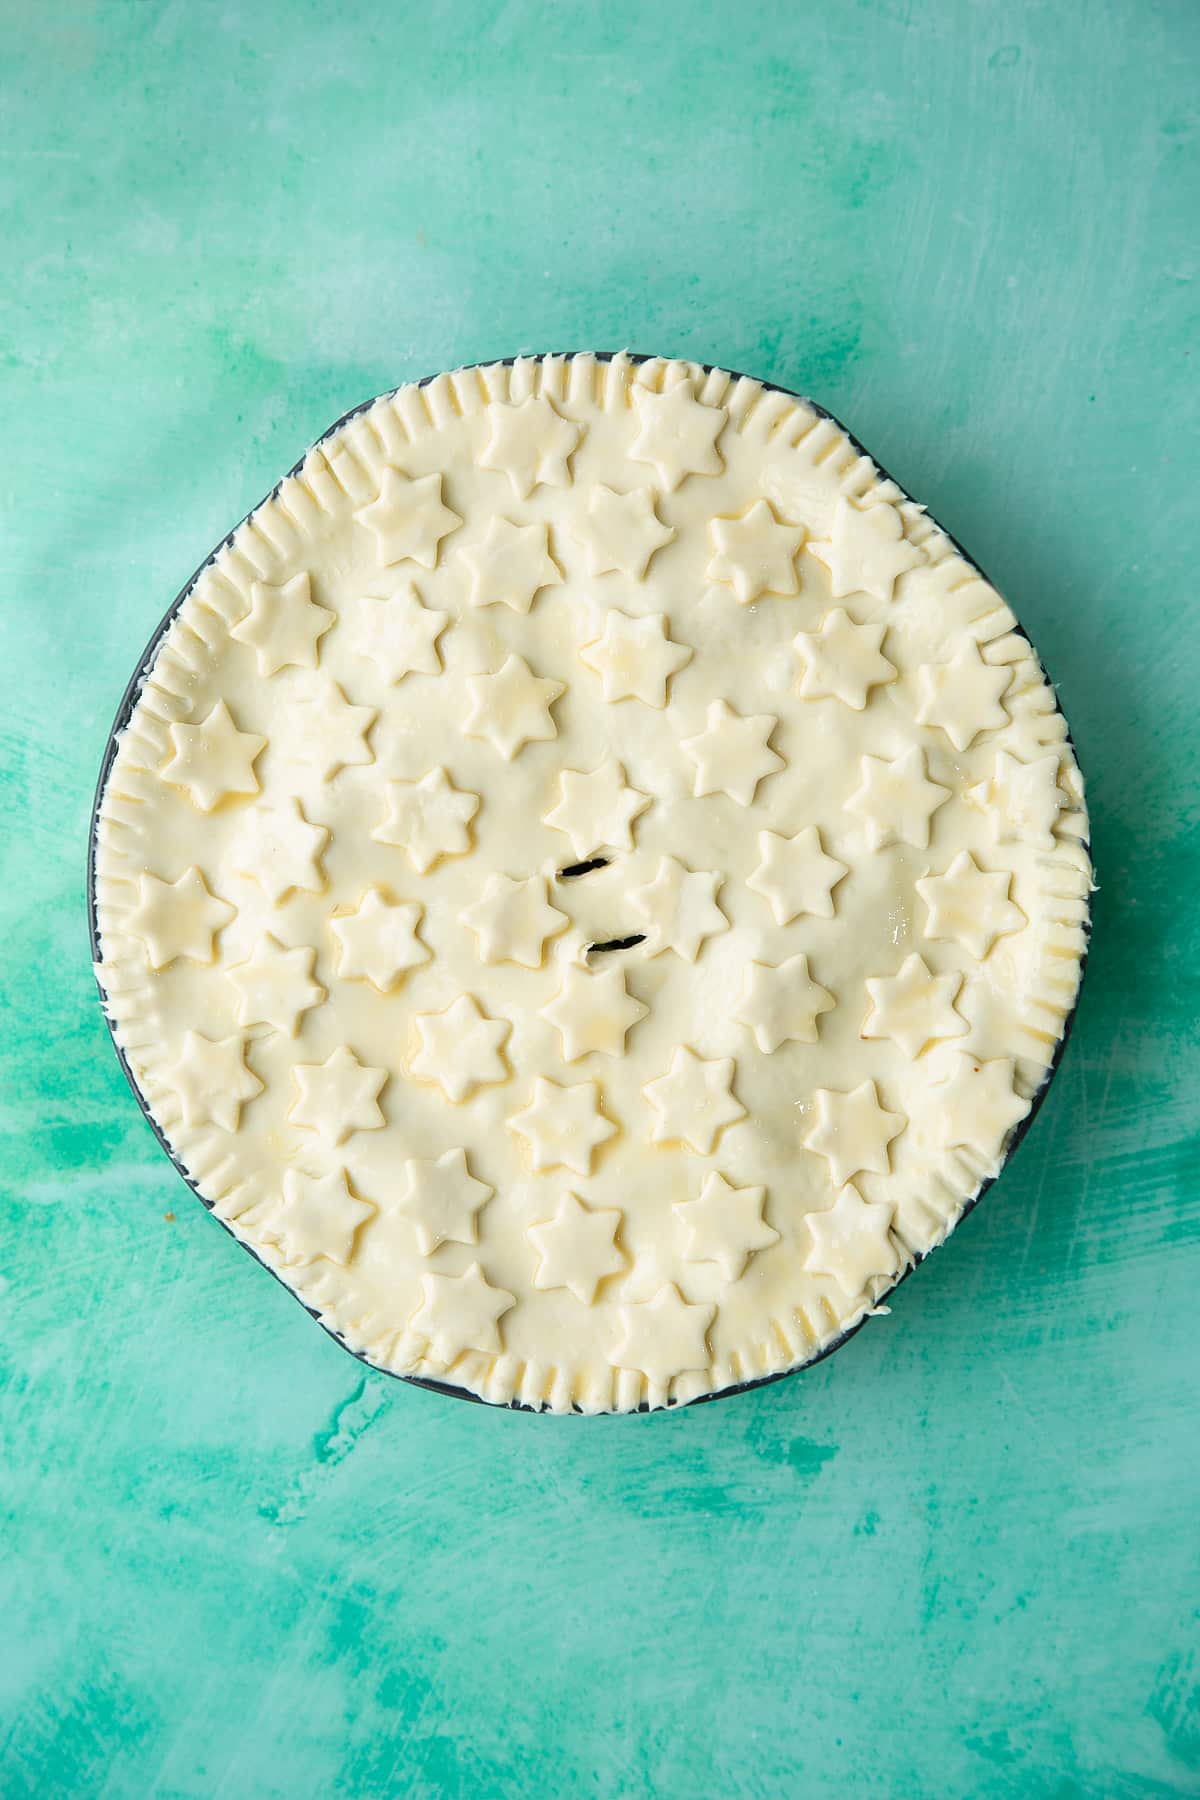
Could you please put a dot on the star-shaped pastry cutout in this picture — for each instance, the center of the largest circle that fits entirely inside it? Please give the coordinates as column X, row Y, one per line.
column 275, row 986
column 531, row 443
column 400, row 635
column 679, row 908
column 511, row 566
column 443, row 1198
column 963, row 695
column 461, row 1312
column 319, row 1215
column 795, row 876
column 460, row 1049
column 663, row 1337
column 841, row 661
column 576, row 1249
column 896, row 800
column 852, row 1242
column 177, row 918
column 635, row 658
column 281, row 851
column 283, row 625
column 693, row 1101
column 755, row 554
column 511, row 920
column 511, row 707
column 977, row 1106
column 563, row 1126
column 732, row 754
column 210, row 1080
column 378, row 941
column 408, row 520
column 781, row 1002
column 212, row 759
column 428, row 819
column 337, row 1097
column 328, row 733
column 725, row 1225
column 596, row 809
column 677, row 434
column 852, row 1131
column 593, row 1012
column 621, row 532
column 866, row 551
column 914, row 1008
column 970, row 906
column 1022, row 800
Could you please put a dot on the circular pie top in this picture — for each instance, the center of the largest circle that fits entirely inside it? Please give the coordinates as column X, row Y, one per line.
column 591, row 882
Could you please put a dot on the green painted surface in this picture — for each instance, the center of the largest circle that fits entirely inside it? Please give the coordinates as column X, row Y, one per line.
column 959, row 1559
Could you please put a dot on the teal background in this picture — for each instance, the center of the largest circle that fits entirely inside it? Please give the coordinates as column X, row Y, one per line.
column 961, row 1558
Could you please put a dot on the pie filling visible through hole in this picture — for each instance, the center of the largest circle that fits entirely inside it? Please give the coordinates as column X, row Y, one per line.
column 591, row 882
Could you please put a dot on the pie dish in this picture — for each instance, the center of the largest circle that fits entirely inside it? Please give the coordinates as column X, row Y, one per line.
column 589, row 882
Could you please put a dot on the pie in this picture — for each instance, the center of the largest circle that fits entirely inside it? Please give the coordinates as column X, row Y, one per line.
column 590, row 883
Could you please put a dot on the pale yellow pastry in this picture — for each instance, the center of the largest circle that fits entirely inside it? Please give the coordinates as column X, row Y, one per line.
column 591, row 882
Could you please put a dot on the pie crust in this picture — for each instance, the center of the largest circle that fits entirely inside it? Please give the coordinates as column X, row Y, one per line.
column 591, row 882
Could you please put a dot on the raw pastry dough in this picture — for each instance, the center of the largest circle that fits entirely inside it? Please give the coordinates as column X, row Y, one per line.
column 591, row 882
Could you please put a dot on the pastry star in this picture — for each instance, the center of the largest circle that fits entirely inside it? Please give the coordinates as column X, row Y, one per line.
column 212, row 759
column 596, row 810
column 281, row 850
column 428, row 819
column 460, row 1312
column 329, row 733
column 663, row 1337
column 621, row 532
column 400, row 635
column 511, row 565
column 782, row 1002
column 969, row 906
column 442, row 1198
column 408, row 520
column 511, row 707
column 977, row 1106
column 378, row 941
column 635, row 658
column 866, row 551
column 755, row 554
column 896, row 800
column 593, row 1012
column 274, row 985
column 915, row 1007
column 693, row 1101
column 852, row 1132
column 512, row 920
column 460, row 1049
column 852, row 1242
column 795, row 875
column 576, row 1249
column 283, row 625
column 337, row 1097
column 725, row 1225
column 210, row 1080
column 530, row 443
column 732, row 754
column 680, row 908
column 177, row 918
column 319, row 1216
column 841, row 661
column 963, row 695
column 677, row 434
column 1022, row 800
column 563, row 1126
